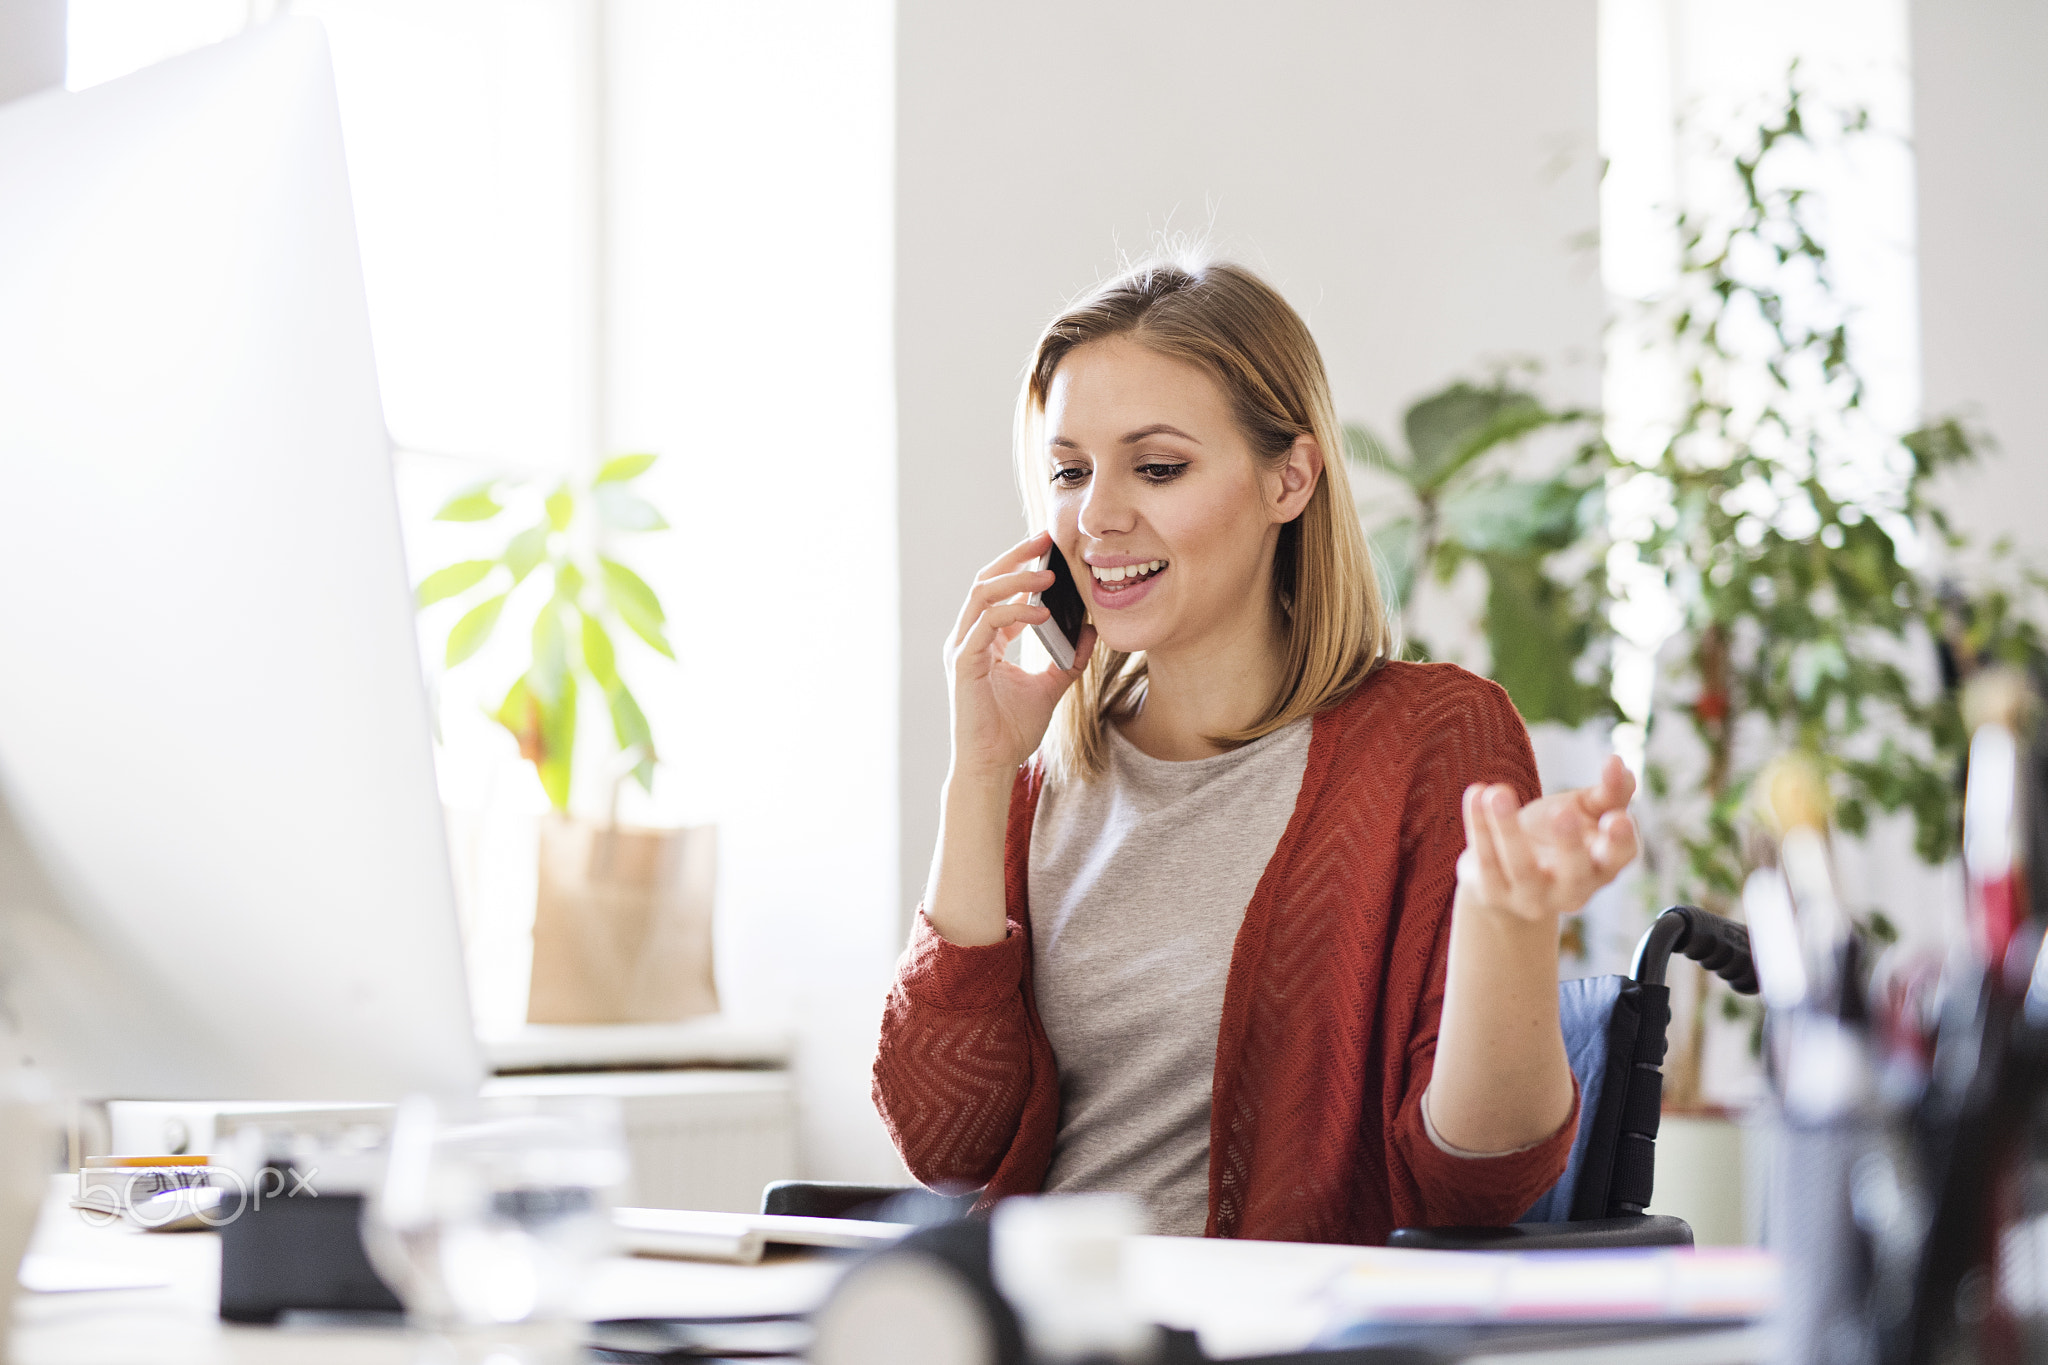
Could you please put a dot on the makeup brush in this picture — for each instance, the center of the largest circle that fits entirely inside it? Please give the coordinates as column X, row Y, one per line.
column 1995, row 706
column 1796, row 800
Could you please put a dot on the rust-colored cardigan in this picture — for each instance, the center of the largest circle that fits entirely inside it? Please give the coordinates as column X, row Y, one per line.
column 1329, row 1015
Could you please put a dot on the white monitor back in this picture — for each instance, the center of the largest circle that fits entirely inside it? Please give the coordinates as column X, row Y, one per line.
column 222, row 866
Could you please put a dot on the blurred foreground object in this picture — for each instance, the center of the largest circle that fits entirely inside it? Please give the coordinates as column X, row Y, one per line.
column 222, row 865
column 491, row 1216
column 1910, row 1199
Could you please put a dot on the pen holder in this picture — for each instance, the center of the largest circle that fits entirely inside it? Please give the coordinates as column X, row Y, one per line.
column 1824, row 1315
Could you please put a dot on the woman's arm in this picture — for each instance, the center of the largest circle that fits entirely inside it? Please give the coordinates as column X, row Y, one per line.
column 953, row 1067
column 1000, row 713
column 1501, row 1078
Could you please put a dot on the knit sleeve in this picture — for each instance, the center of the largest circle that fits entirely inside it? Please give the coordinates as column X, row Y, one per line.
column 953, row 1065
column 1482, row 740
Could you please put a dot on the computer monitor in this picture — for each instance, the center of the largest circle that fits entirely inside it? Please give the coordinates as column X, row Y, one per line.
column 222, row 866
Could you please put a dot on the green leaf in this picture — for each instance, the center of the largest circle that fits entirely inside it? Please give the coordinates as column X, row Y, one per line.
column 546, row 734
column 526, row 550
column 1537, row 636
column 471, row 504
column 561, row 507
column 629, row 724
column 520, row 714
column 558, row 739
column 473, row 629
column 1393, row 556
column 1448, row 430
column 1512, row 516
column 620, row 468
column 598, row 655
column 452, row 581
column 624, row 510
column 1940, row 445
column 636, row 604
column 630, row 728
column 550, row 670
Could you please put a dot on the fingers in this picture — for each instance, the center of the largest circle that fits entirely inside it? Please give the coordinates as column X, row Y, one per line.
column 1614, row 845
column 1084, row 650
column 1512, row 847
column 1614, row 790
column 1483, row 850
column 1031, row 547
column 983, row 637
column 987, row 591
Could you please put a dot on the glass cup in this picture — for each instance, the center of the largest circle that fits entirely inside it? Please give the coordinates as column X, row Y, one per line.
column 491, row 1216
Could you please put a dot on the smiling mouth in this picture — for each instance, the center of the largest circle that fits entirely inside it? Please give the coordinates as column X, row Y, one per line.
column 1126, row 577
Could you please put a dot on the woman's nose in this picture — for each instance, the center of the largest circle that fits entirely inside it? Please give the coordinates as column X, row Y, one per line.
column 1105, row 510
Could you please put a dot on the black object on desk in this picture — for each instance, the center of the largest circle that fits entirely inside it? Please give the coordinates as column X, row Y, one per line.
column 294, row 1252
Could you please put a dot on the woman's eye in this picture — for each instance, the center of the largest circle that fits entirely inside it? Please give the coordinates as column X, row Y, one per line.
column 1160, row 472
column 1068, row 476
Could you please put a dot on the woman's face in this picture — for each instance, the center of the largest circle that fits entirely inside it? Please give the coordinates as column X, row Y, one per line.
column 1158, row 502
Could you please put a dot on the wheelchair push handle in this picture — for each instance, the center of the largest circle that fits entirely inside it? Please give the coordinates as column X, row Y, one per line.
column 1720, row 945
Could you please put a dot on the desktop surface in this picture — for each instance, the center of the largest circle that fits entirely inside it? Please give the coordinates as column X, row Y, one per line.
column 158, row 1306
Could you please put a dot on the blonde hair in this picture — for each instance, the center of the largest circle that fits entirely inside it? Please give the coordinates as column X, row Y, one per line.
column 1238, row 329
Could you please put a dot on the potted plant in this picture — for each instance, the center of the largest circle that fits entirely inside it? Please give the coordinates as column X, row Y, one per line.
column 1468, row 497
column 622, row 924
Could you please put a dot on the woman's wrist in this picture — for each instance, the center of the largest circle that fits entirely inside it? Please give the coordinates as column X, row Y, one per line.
column 978, row 788
column 964, row 901
column 1500, row 921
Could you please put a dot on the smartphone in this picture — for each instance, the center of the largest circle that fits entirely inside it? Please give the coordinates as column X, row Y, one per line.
column 1061, row 636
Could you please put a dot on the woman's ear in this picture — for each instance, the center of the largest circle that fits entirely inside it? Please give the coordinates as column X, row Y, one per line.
column 1295, row 482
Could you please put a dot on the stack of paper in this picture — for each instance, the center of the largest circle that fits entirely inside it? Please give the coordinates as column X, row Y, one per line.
column 742, row 1237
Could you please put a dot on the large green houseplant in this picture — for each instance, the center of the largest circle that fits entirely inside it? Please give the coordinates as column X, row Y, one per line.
column 1800, row 545
column 1798, row 548
column 1466, row 499
column 622, row 921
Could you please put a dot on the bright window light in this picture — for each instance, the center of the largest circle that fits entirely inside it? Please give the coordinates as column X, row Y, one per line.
column 106, row 39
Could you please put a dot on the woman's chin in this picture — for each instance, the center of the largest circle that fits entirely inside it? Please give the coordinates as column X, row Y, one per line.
column 1125, row 639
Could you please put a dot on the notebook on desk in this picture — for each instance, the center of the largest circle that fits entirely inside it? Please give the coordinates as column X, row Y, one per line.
column 742, row 1238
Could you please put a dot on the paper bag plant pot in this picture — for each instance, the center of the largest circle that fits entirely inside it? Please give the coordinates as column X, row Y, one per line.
column 622, row 927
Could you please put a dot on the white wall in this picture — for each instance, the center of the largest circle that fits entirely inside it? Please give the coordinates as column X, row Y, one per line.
column 31, row 46
column 1420, row 180
column 749, row 262
column 1981, row 132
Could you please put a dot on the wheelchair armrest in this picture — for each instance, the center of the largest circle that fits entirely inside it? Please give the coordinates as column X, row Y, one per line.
column 1589, row 1234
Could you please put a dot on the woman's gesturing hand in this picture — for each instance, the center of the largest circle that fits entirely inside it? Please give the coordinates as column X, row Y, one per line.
column 1000, row 711
column 1543, row 860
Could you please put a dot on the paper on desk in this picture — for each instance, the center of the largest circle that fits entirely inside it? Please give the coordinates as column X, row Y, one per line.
column 1634, row 1284
column 1240, row 1298
column 43, row 1273
column 1245, row 1298
column 689, row 1234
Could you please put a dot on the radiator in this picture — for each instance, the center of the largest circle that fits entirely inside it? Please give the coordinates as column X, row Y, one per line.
column 705, row 1139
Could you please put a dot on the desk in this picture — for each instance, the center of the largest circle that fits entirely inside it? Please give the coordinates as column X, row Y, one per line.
column 173, row 1322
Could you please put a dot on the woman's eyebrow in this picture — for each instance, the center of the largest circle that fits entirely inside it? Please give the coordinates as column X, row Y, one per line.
column 1158, row 429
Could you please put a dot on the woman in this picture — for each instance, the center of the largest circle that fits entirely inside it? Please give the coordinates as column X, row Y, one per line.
column 1239, row 915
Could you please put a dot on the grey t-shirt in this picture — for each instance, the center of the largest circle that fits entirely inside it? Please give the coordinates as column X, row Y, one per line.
column 1138, row 883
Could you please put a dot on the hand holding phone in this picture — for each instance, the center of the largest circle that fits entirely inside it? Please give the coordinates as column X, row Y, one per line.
column 1061, row 635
